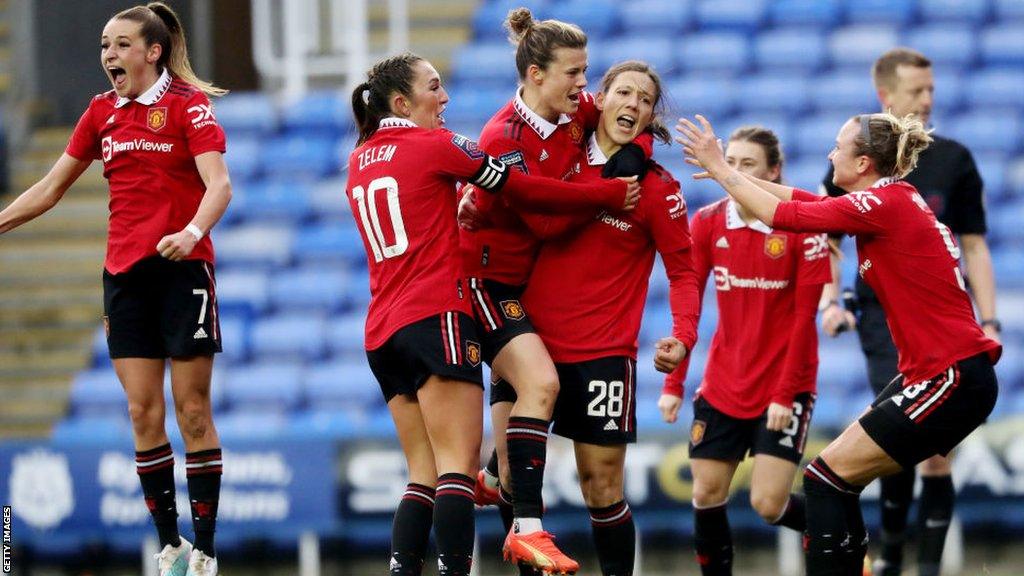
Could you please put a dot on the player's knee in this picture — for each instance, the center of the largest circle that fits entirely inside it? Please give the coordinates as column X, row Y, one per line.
column 709, row 493
column 936, row 466
column 768, row 506
column 602, row 490
column 545, row 390
column 194, row 417
column 147, row 415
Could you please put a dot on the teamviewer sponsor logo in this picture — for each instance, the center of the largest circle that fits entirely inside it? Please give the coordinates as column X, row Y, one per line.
column 725, row 281
column 7, row 540
column 109, row 147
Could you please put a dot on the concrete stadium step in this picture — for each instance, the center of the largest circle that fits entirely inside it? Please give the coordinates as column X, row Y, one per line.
column 436, row 28
column 60, row 363
column 41, row 337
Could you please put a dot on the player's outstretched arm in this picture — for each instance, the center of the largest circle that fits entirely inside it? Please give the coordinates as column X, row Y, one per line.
column 214, row 173
column 44, row 194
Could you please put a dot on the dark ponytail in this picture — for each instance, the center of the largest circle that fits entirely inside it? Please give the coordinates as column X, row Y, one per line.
column 370, row 98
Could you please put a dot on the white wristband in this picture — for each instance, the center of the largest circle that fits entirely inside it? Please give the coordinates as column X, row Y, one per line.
column 195, row 231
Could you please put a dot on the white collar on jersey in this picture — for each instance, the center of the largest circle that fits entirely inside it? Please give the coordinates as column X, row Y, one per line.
column 883, row 182
column 595, row 156
column 393, row 122
column 151, row 96
column 541, row 126
column 734, row 222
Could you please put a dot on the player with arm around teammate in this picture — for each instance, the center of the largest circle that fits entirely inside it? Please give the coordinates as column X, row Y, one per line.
column 420, row 339
column 758, row 389
column 947, row 385
column 603, row 267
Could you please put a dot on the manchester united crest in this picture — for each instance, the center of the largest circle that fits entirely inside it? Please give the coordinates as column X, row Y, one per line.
column 512, row 310
column 576, row 132
column 775, row 245
column 156, row 119
column 697, row 432
column 473, row 353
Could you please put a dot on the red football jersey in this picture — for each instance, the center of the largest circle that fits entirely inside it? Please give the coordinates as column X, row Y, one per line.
column 912, row 262
column 587, row 291
column 768, row 282
column 406, row 211
column 148, row 147
column 522, row 139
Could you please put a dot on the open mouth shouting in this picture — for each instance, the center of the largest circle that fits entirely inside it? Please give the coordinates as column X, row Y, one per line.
column 118, row 76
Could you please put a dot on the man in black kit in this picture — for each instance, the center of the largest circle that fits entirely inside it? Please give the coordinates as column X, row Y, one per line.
column 948, row 180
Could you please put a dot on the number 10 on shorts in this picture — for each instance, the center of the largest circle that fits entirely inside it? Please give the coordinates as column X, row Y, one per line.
column 607, row 398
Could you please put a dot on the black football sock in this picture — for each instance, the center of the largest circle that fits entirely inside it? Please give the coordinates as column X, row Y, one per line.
column 156, row 473
column 410, row 530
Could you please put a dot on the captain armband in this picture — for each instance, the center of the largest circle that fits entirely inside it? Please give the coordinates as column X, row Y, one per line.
column 492, row 175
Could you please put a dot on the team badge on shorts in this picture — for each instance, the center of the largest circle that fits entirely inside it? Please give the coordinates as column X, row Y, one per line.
column 775, row 245
column 512, row 309
column 697, row 431
column 156, row 119
column 473, row 353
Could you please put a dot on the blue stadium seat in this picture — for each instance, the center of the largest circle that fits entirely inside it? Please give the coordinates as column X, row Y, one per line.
column 346, row 384
column 357, row 291
column 1015, row 177
column 719, row 52
column 946, row 43
column 790, row 48
column 264, row 388
column 806, row 173
column 974, row 12
column 322, row 113
column 658, row 51
column 243, row 158
column 844, row 91
column 598, row 18
column 97, row 393
column 988, row 130
column 778, row 123
column 345, row 334
column 1009, row 9
column 248, row 426
column 886, row 11
column 816, row 135
column 329, row 201
column 243, row 291
column 92, row 431
column 291, row 336
column 1003, row 44
column 324, row 424
column 234, row 330
column 490, row 15
column 245, row 112
column 469, row 103
column 656, row 16
column 301, row 156
column 859, row 46
column 331, row 242
column 712, row 97
column 255, row 245
column 743, row 15
column 274, row 201
column 493, row 61
column 996, row 87
column 993, row 168
column 1010, row 264
column 317, row 288
column 820, row 13
column 775, row 92
column 657, row 322
column 949, row 91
